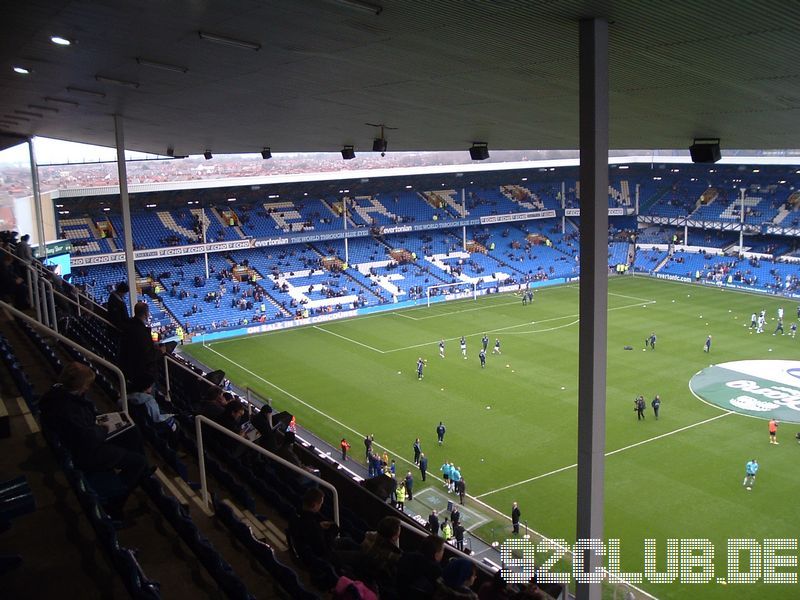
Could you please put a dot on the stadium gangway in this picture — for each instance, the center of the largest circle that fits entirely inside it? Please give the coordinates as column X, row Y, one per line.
column 123, row 390
column 199, row 420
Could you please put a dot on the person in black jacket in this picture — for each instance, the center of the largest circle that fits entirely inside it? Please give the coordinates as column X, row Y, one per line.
column 116, row 306
column 67, row 412
column 139, row 354
column 418, row 571
column 433, row 523
column 515, row 515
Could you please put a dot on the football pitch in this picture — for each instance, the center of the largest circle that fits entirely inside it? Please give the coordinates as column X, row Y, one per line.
column 512, row 426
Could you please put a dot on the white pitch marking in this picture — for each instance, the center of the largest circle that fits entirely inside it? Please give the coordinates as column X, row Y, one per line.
column 611, row 453
column 561, row 318
column 368, row 347
column 397, row 455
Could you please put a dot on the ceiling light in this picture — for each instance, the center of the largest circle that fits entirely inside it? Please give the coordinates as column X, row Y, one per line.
column 380, row 145
column 348, row 153
column 22, row 70
column 361, row 5
column 124, row 83
column 28, row 113
column 45, row 108
column 221, row 39
column 163, row 66
column 266, row 153
column 60, row 41
column 479, row 151
column 207, row 155
column 60, row 101
column 705, row 150
column 77, row 90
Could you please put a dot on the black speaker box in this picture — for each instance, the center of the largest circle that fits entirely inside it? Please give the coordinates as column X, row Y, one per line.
column 705, row 152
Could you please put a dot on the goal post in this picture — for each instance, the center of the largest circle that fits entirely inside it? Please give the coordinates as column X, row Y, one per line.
column 451, row 291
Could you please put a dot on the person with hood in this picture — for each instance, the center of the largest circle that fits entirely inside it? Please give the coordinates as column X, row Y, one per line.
column 457, row 578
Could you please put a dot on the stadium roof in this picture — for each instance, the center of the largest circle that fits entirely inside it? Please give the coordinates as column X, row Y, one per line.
column 445, row 73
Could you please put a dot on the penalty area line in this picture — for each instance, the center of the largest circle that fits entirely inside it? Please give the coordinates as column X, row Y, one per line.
column 611, row 453
column 397, row 455
column 347, row 339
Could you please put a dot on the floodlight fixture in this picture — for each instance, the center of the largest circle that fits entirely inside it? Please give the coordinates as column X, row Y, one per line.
column 705, row 150
column 479, row 151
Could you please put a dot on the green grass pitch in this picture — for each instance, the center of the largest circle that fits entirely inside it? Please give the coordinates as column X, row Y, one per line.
column 515, row 421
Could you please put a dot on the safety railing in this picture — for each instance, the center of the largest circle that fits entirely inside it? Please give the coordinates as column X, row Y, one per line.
column 79, row 308
column 123, row 390
column 46, row 296
column 170, row 360
column 200, row 420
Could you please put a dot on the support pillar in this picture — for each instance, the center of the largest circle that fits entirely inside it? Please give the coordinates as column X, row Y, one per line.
column 37, row 200
column 593, row 102
column 126, row 209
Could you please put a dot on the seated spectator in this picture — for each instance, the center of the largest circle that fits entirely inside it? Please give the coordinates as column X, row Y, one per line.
column 141, row 397
column 231, row 419
column 68, row 413
column 455, row 583
column 418, row 571
column 214, row 402
column 381, row 551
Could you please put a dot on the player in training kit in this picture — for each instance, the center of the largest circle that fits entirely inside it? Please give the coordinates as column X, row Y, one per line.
column 485, row 342
column 482, row 356
column 524, row 298
column 753, row 321
column 750, row 470
column 496, row 349
column 793, row 329
column 773, row 431
column 707, row 347
column 779, row 327
column 420, row 366
column 464, row 347
column 652, row 341
column 761, row 321
column 441, row 348
column 780, row 313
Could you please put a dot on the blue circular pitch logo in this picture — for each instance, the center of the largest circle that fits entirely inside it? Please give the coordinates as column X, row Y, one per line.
column 759, row 388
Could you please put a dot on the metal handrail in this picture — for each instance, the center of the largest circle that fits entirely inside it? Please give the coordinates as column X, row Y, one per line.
column 48, row 303
column 38, row 270
column 33, row 290
column 78, row 304
column 174, row 361
column 123, row 390
column 199, row 420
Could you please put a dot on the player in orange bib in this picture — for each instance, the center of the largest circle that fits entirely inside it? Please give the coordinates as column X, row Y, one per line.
column 773, row 431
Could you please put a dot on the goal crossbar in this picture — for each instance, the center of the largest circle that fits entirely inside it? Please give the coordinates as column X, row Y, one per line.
column 451, row 291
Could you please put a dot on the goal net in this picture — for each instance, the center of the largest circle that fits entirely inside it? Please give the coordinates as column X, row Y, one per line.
column 451, row 291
